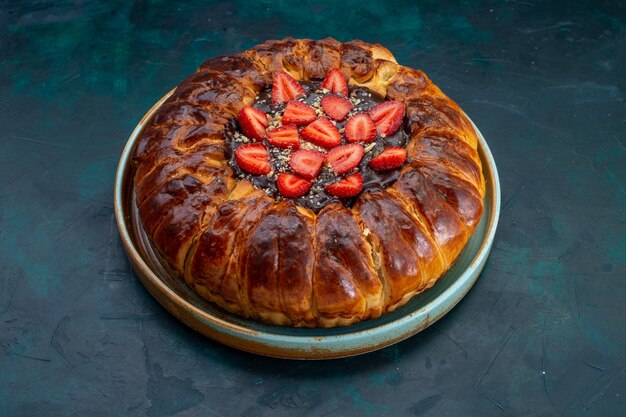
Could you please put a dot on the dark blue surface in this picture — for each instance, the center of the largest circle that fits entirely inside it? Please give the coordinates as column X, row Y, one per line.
column 542, row 332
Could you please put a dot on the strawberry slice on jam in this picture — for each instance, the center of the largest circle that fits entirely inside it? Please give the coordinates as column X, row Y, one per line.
column 298, row 113
column 253, row 158
column 253, row 122
column 344, row 158
column 347, row 187
column 335, row 82
column 284, row 137
column 291, row 185
column 306, row 163
column 390, row 158
column 285, row 88
column 360, row 128
column 387, row 116
column 336, row 107
column 322, row 132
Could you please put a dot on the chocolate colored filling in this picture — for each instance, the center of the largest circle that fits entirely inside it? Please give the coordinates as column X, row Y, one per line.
column 316, row 199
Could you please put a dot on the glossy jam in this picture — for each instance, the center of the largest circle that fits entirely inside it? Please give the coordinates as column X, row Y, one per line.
column 316, row 199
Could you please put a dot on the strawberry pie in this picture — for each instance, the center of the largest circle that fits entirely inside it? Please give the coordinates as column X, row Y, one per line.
column 309, row 183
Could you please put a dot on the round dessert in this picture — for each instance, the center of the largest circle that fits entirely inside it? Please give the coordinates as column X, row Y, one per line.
column 308, row 183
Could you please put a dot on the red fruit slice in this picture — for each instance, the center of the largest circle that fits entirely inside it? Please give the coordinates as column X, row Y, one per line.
column 322, row 132
column 335, row 82
column 344, row 158
column 253, row 122
column 360, row 128
column 292, row 186
column 253, row 158
column 387, row 116
column 336, row 107
column 390, row 158
column 347, row 187
column 284, row 137
column 306, row 163
column 298, row 113
column 285, row 88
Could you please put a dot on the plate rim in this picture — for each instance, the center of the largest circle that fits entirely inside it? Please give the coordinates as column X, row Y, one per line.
column 302, row 346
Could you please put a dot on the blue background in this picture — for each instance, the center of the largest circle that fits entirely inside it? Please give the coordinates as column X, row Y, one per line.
column 541, row 333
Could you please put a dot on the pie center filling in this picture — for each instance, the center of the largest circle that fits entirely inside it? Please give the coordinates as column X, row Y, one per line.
column 319, row 142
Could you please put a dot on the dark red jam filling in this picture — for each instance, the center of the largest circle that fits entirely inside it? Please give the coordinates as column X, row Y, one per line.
column 317, row 197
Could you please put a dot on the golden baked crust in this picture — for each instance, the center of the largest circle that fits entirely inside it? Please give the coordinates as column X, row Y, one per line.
column 282, row 263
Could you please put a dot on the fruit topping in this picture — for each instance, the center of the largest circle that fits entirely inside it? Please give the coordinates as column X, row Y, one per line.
column 284, row 137
column 285, row 88
column 390, row 158
column 253, row 122
column 360, row 128
column 347, row 187
column 321, row 144
column 291, row 185
column 344, row 158
column 298, row 113
column 335, row 82
column 322, row 132
column 306, row 163
column 336, row 107
column 387, row 117
column 253, row 158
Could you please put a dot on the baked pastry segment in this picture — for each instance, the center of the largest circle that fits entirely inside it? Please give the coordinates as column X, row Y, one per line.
column 213, row 266
column 407, row 257
column 242, row 66
column 346, row 284
column 183, row 221
column 423, row 200
column 273, row 260
column 278, row 263
column 460, row 194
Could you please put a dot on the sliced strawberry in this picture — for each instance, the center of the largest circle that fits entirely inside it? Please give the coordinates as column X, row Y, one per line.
column 284, row 137
column 291, row 185
column 347, row 187
column 360, row 128
column 322, row 132
column 344, row 158
column 390, row 158
column 298, row 113
column 253, row 122
column 253, row 158
column 387, row 116
column 285, row 88
column 306, row 163
column 336, row 107
column 335, row 82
